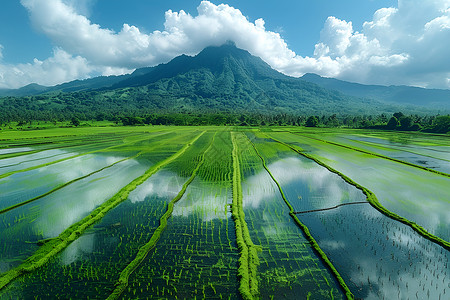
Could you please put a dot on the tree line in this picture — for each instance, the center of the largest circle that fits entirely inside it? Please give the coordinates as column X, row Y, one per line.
column 398, row 121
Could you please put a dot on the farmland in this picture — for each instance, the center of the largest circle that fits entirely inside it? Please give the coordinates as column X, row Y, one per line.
column 224, row 213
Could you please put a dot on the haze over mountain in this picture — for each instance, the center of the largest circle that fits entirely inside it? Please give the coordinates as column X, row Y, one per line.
column 223, row 78
column 391, row 94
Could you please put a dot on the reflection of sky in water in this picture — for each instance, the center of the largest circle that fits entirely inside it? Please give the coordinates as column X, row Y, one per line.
column 262, row 198
column 308, row 185
column 70, row 204
column 417, row 195
column 209, row 200
column 378, row 257
column 429, row 158
column 23, row 186
column 305, row 184
column 257, row 189
column 284, row 253
column 76, row 249
column 164, row 184
column 440, row 152
column 31, row 160
column 15, row 150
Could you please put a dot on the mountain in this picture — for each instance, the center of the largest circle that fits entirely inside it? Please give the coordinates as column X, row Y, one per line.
column 218, row 79
column 230, row 78
column 391, row 94
column 31, row 89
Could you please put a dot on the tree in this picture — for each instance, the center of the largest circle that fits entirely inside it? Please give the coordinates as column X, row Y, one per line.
column 405, row 123
column 75, row 121
column 393, row 123
column 441, row 124
column 398, row 115
column 312, row 121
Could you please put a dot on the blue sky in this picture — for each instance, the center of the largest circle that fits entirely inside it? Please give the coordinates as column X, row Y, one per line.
column 366, row 41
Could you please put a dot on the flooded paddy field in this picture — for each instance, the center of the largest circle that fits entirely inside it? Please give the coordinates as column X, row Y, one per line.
column 224, row 213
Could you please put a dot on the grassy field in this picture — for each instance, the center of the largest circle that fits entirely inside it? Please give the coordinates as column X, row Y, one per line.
column 223, row 212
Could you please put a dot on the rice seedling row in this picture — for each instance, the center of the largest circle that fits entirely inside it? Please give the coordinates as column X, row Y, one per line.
column 65, row 184
column 287, row 258
column 248, row 260
column 66, row 158
column 409, row 195
column 43, row 146
column 122, row 283
column 353, row 229
column 130, row 231
column 196, row 256
column 379, row 155
column 438, row 160
column 66, row 172
column 178, row 213
column 277, row 188
column 70, row 234
column 378, row 257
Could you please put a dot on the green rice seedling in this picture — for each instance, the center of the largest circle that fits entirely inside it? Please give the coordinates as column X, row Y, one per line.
column 358, row 238
column 374, row 201
column 280, row 237
column 50, row 249
column 65, row 184
column 380, row 156
column 143, row 251
column 248, row 261
column 63, row 159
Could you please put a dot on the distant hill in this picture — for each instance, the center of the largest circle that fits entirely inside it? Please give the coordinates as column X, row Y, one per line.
column 218, row 79
column 31, row 89
column 391, row 94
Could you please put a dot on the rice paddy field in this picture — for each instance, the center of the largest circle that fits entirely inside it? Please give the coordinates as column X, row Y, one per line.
column 224, row 213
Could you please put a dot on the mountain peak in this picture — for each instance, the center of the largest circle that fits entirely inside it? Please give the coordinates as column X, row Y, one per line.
column 227, row 49
column 215, row 59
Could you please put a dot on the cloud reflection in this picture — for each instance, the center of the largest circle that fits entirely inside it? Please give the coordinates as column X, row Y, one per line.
column 70, row 204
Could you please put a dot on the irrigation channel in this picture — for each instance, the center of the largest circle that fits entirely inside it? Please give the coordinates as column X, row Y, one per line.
column 224, row 213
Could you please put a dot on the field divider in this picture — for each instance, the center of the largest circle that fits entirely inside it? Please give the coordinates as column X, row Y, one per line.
column 329, row 208
column 66, row 184
column 56, row 245
column 25, row 161
column 396, row 148
column 74, row 156
column 122, row 283
column 59, row 145
column 75, row 180
column 375, row 154
column 373, row 200
column 306, row 232
column 248, row 260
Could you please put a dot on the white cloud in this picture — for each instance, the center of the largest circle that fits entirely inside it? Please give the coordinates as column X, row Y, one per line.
column 403, row 45
column 59, row 68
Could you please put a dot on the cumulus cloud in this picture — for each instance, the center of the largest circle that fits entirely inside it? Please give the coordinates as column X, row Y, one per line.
column 59, row 68
column 407, row 44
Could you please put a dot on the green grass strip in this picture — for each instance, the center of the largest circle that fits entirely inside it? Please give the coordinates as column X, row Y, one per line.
column 375, row 154
column 77, row 179
column 308, row 235
column 66, row 184
column 248, row 260
column 56, row 245
column 58, row 145
column 373, row 200
column 122, row 283
column 22, row 153
column 71, row 157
